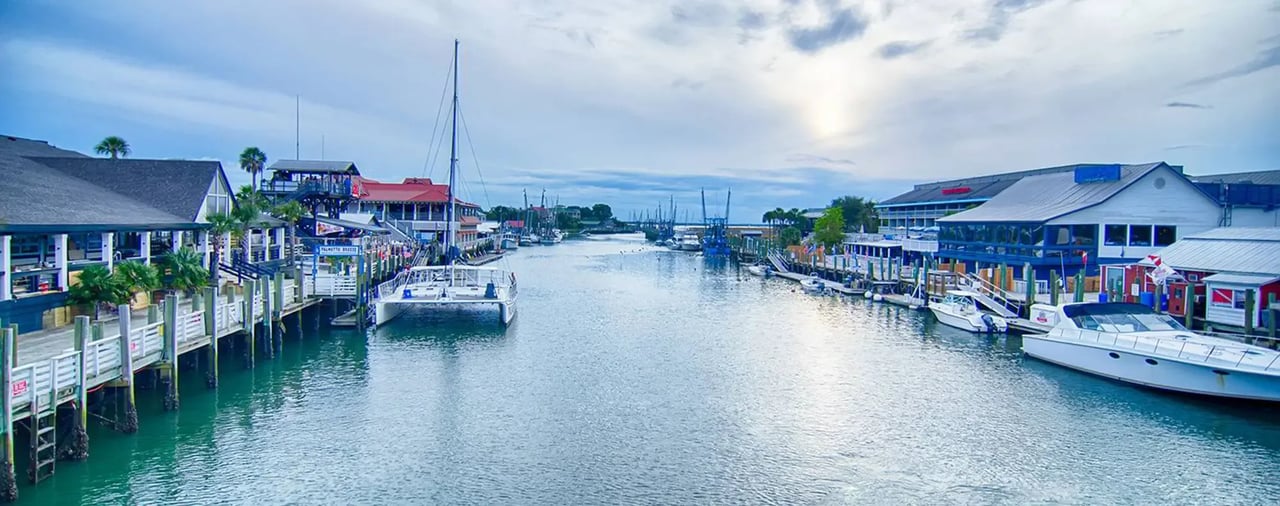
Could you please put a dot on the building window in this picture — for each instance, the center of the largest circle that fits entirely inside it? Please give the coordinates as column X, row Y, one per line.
column 1139, row 235
column 1116, row 235
column 1166, row 235
column 1227, row 298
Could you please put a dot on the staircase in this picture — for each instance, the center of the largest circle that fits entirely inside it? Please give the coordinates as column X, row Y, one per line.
column 779, row 263
column 44, row 444
column 993, row 297
column 401, row 230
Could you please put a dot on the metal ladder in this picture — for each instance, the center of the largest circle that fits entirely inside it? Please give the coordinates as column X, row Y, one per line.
column 44, row 440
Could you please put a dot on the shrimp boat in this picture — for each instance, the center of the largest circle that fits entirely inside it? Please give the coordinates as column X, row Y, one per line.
column 450, row 284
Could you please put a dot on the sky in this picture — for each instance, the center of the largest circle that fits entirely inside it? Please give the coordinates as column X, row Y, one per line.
column 788, row 103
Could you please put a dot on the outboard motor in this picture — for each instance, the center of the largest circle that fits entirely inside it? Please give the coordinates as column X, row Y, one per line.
column 490, row 291
column 988, row 323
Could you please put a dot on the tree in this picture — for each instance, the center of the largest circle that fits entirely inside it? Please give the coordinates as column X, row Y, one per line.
column 98, row 286
column 184, row 271
column 252, row 160
column 137, row 277
column 829, row 229
column 290, row 212
column 601, row 212
column 115, row 146
column 790, row 236
column 503, row 213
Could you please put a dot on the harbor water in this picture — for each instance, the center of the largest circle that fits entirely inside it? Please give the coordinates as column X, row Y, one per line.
column 637, row 375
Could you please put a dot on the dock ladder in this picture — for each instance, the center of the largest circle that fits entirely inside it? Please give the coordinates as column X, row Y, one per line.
column 993, row 297
column 44, row 443
column 779, row 263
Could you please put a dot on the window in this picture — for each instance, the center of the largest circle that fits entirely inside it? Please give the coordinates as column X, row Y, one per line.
column 1238, row 300
column 1085, row 235
column 1117, row 235
column 1166, row 235
column 1139, row 235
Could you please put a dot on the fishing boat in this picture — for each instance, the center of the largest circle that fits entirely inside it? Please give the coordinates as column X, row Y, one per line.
column 510, row 240
column 451, row 284
column 813, row 284
column 688, row 241
column 1133, row 343
column 958, row 309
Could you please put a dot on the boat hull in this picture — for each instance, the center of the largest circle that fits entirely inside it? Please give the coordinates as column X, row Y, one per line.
column 384, row 312
column 968, row 323
column 1165, row 373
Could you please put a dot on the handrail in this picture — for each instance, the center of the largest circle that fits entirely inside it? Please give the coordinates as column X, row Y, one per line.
column 1211, row 351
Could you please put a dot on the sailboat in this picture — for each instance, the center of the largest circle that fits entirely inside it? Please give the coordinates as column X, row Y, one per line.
column 451, row 284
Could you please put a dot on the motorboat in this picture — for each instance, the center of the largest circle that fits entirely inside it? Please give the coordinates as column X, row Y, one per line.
column 958, row 309
column 688, row 242
column 813, row 284
column 510, row 241
column 1133, row 343
column 759, row 270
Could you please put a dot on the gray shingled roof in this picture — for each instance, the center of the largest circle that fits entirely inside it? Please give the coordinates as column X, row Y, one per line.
column 1243, row 250
column 36, row 198
column 177, row 187
column 312, row 166
column 1037, row 199
column 1258, row 177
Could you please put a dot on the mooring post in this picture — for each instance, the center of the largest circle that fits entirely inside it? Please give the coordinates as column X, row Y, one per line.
column 169, row 370
column 1053, row 290
column 1078, row 296
column 1189, row 307
column 8, row 481
column 1029, row 279
column 77, row 446
column 128, row 424
column 1272, row 313
column 278, row 314
column 211, row 327
column 1155, row 299
column 1250, row 302
column 249, row 322
column 268, row 328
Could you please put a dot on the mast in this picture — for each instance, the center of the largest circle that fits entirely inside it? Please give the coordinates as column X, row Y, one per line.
column 450, row 227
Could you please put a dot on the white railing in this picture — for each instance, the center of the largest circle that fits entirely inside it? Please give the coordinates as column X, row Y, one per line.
column 1180, row 348
column 235, row 314
column 44, row 379
column 325, row 284
column 146, row 340
column 102, row 357
column 923, row 245
column 190, row 326
column 1020, row 286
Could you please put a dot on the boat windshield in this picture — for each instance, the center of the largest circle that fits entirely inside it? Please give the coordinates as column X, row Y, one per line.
column 1121, row 318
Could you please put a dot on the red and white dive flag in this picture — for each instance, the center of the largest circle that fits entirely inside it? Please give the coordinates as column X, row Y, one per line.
column 1161, row 272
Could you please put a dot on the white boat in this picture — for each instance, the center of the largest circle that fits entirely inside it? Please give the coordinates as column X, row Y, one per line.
column 446, row 285
column 1132, row 343
column 510, row 241
column 758, row 270
column 688, row 242
column 450, row 284
column 813, row 284
column 958, row 309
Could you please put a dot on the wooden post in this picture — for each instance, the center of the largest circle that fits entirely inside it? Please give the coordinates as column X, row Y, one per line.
column 169, row 370
column 1053, row 287
column 1250, row 302
column 128, row 422
column 1004, row 281
column 211, row 304
column 77, row 447
column 1271, row 315
column 268, row 311
column 1155, row 298
column 8, row 481
column 1078, row 296
column 250, row 292
column 1029, row 278
column 1189, row 295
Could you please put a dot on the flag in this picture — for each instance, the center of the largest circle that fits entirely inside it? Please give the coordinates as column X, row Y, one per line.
column 1161, row 272
column 1223, row 296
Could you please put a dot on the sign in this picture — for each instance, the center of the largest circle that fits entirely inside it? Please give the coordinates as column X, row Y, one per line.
column 956, row 190
column 1223, row 297
column 133, row 346
column 327, row 229
column 19, row 387
column 337, row 251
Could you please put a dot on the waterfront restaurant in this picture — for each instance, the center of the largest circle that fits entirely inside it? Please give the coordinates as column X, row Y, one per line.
column 1068, row 220
column 419, row 205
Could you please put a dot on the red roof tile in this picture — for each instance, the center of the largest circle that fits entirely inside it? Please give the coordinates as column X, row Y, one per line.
column 413, row 189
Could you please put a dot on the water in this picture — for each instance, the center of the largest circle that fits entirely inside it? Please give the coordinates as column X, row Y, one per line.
column 647, row 377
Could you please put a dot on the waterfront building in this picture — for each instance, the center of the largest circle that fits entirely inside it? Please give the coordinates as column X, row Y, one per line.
column 61, row 211
column 1248, row 199
column 323, row 187
column 418, row 206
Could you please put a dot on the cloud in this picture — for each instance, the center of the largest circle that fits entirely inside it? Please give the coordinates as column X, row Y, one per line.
column 1265, row 59
column 841, row 24
column 1000, row 14
column 806, row 158
column 1187, row 105
column 899, row 48
column 1168, row 33
column 1180, row 147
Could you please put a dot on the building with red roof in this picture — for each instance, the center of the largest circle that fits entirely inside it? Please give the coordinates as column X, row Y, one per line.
column 418, row 203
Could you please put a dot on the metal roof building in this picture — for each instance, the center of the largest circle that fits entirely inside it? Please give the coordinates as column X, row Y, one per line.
column 1236, row 250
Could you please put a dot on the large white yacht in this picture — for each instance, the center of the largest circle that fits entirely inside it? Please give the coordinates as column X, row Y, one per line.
column 1133, row 343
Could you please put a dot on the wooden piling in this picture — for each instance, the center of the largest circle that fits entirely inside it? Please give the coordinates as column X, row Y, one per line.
column 1272, row 313
column 1029, row 278
column 8, row 481
column 128, row 422
column 268, row 310
column 169, row 369
column 1250, row 302
column 211, row 327
column 76, row 447
column 249, row 325
column 1190, row 307
column 1078, row 293
column 1053, row 287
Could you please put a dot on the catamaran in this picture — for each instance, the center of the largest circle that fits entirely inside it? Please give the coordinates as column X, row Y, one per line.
column 450, row 284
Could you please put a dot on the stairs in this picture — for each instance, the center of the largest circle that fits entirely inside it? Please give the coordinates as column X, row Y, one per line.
column 44, row 443
column 779, row 263
column 993, row 297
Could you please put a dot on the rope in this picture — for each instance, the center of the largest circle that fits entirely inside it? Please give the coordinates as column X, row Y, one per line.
column 428, row 166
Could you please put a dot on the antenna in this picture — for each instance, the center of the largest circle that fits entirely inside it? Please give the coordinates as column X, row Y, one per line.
column 297, row 127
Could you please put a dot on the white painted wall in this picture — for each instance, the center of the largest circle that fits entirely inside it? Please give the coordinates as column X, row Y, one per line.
column 1229, row 315
column 1176, row 202
column 219, row 182
column 1254, row 217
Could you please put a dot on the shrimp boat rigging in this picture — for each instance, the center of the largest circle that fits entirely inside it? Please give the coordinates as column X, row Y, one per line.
column 450, row 284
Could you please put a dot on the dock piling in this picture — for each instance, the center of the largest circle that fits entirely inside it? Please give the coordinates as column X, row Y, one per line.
column 1189, row 294
column 77, row 445
column 268, row 309
column 8, row 481
column 169, row 369
column 128, row 422
column 249, row 319
column 1053, row 287
column 1250, row 302
column 211, row 328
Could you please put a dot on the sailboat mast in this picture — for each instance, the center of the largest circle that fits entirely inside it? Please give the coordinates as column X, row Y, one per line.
column 450, row 227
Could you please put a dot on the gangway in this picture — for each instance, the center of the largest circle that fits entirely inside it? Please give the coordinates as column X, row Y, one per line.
column 993, row 297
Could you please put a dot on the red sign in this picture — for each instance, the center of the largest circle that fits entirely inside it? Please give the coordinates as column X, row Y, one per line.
column 1222, row 296
column 133, row 346
column 19, row 387
column 958, row 189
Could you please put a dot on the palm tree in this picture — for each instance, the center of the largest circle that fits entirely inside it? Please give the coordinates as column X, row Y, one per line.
column 252, row 160
column 115, row 146
column 290, row 212
column 184, row 271
column 137, row 277
column 98, row 286
column 220, row 225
